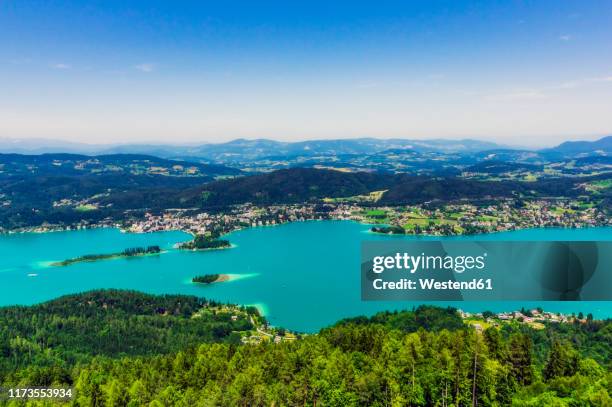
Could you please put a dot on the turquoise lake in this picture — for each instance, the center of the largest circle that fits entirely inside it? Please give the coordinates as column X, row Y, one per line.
column 303, row 276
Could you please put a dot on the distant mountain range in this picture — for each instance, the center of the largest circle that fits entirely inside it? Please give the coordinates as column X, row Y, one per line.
column 249, row 150
column 438, row 156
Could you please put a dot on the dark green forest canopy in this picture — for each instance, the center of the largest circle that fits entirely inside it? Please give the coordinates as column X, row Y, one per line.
column 365, row 364
column 111, row 323
column 205, row 279
column 427, row 317
column 202, row 242
column 119, row 347
column 129, row 252
column 303, row 184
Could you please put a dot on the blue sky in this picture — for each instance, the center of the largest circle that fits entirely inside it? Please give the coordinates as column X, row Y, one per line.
column 518, row 72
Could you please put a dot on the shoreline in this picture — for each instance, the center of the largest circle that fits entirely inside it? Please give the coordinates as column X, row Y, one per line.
column 364, row 223
column 483, row 233
column 231, row 246
column 222, row 278
column 207, row 249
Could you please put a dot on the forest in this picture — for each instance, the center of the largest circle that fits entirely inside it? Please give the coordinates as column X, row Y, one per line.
column 298, row 185
column 203, row 242
column 42, row 343
column 151, row 351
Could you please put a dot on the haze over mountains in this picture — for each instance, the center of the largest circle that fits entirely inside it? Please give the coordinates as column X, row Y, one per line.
column 247, row 150
column 437, row 156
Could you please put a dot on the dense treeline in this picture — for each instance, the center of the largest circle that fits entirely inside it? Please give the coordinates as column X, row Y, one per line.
column 299, row 185
column 355, row 364
column 125, row 348
column 137, row 251
column 427, row 317
column 294, row 185
column 304, row 184
column 42, row 343
column 591, row 338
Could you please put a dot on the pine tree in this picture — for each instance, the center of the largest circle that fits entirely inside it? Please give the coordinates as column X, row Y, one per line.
column 562, row 361
column 521, row 359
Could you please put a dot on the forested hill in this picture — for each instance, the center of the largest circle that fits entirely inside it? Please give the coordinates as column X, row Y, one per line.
column 304, row 184
column 423, row 357
column 571, row 148
column 293, row 186
column 43, row 342
column 49, row 165
column 68, row 188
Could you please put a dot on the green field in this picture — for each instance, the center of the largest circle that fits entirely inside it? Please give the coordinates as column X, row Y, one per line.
column 85, row 208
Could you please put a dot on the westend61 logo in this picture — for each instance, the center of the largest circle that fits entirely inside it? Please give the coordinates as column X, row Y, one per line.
column 412, row 264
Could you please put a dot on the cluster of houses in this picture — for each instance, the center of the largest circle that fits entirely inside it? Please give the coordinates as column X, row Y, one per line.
column 238, row 217
column 531, row 317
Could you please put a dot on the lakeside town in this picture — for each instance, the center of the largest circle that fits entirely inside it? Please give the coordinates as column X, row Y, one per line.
column 463, row 218
column 454, row 219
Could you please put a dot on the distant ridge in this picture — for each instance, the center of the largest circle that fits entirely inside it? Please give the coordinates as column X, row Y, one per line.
column 67, row 163
column 249, row 148
column 243, row 150
column 603, row 145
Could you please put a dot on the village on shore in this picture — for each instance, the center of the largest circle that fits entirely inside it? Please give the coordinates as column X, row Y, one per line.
column 463, row 218
column 534, row 318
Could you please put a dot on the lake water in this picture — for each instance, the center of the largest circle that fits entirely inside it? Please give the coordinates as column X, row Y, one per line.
column 303, row 276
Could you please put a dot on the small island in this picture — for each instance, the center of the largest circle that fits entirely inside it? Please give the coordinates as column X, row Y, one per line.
column 389, row 230
column 131, row 252
column 210, row 278
column 203, row 242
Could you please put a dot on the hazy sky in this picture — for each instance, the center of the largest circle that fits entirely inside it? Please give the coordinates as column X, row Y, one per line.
column 518, row 72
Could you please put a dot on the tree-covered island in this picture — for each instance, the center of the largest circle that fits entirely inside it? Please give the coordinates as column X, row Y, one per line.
column 206, row 242
column 130, row 252
column 210, row 278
